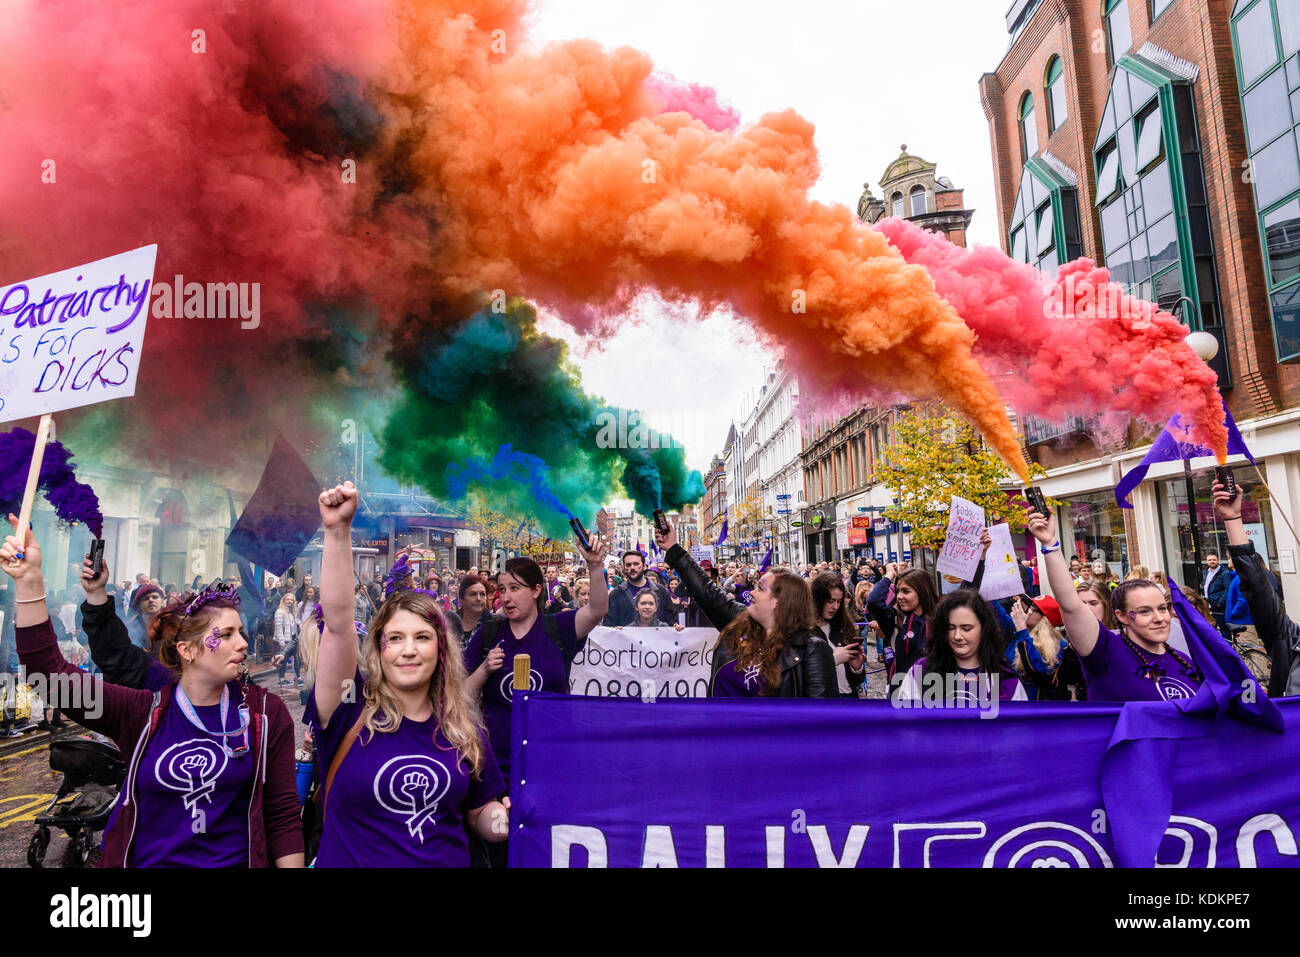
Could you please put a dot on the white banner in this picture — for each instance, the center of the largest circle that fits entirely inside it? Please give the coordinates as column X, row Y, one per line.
column 961, row 548
column 73, row 338
column 644, row 662
column 700, row 552
column 1001, row 570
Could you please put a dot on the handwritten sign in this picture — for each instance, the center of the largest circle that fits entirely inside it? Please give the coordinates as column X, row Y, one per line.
column 961, row 549
column 701, row 552
column 1001, row 570
column 74, row 337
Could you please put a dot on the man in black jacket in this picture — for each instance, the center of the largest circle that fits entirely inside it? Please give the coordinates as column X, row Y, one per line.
column 1218, row 579
column 558, row 596
column 622, row 600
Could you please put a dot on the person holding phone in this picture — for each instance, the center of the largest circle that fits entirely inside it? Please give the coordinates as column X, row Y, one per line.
column 1135, row 663
column 902, row 604
column 1279, row 633
column 836, row 624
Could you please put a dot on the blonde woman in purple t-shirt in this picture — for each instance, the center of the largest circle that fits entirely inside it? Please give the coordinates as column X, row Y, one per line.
column 1135, row 663
column 407, row 768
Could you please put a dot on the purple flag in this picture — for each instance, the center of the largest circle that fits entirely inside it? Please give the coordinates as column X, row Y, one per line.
column 722, row 536
column 1175, row 443
column 766, row 563
column 1137, row 772
column 282, row 516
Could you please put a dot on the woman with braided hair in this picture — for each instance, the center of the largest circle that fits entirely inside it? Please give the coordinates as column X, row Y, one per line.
column 211, row 778
column 1135, row 663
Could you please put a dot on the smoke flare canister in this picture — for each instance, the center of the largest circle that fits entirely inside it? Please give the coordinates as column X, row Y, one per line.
column 96, row 556
column 1037, row 501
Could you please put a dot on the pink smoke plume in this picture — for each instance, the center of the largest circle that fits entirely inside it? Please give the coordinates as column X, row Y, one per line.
column 701, row 102
column 1075, row 345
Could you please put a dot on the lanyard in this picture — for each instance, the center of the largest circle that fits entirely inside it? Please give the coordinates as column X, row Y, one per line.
column 187, row 709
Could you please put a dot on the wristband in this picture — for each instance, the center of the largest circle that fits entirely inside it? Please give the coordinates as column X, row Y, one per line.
column 1046, row 549
column 28, row 601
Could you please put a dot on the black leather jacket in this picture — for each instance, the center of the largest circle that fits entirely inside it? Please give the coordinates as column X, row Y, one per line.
column 807, row 663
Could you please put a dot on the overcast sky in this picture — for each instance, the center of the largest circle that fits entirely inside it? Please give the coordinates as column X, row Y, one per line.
column 870, row 75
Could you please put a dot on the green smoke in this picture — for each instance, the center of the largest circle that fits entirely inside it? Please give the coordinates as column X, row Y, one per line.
column 467, row 388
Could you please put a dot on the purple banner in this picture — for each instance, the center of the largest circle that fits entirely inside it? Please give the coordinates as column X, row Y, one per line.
column 847, row 783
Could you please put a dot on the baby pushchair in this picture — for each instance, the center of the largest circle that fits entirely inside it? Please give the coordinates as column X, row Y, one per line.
column 92, row 773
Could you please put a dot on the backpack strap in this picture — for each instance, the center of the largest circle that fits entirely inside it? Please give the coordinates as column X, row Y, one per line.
column 342, row 752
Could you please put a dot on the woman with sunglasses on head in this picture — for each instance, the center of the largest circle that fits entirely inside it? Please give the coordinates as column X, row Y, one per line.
column 210, row 782
column 406, row 763
column 1135, row 663
column 768, row 647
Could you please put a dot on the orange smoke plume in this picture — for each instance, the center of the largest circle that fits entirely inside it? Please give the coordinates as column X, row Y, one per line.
column 552, row 174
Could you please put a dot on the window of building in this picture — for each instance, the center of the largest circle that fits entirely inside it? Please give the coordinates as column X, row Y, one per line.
column 898, row 205
column 1028, row 131
column 1266, row 43
column 1119, row 32
column 918, row 201
column 1057, row 110
column 1095, row 530
column 1158, row 7
column 1045, row 220
column 1140, row 201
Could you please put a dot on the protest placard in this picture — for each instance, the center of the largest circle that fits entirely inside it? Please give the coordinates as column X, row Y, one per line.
column 1001, row 570
column 701, row 552
column 961, row 548
column 73, row 337
column 644, row 662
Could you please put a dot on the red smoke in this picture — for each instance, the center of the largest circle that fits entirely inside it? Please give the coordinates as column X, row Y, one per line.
column 1073, row 346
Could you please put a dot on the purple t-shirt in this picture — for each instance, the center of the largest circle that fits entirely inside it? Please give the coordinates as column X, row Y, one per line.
column 194, row 798
column 1113, row 673
column 547, row 672
column 398, row 799
column 732, row 681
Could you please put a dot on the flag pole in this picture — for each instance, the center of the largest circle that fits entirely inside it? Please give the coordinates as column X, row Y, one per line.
column 33, row 480
column 1273, row 498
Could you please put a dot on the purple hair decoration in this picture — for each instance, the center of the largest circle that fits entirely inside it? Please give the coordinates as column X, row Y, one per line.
column 402, row 569
column 211, row 593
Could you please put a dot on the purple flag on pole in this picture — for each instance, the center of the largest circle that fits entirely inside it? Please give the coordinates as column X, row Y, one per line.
column 722, row 536
column 1175, row 443
column 282, row 516
column 766, row 563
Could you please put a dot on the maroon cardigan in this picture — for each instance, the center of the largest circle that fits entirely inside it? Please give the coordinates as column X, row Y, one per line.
column 131, row 718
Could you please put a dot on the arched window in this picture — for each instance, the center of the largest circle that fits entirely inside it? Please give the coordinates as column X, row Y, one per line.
column 1119, row 32
column 918, row 201
column 1028, row 131
column 897, row 203
column 1057, row 110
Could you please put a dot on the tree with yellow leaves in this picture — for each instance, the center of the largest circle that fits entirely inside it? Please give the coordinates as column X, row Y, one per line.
column 935, row 455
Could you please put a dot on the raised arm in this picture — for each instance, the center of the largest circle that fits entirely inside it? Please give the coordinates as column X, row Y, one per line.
column 713, row 601
column 336, row 662
column 1081, row 626
column 1278, row 632
column 97, row 704
column 110, row 644
column 591, row 614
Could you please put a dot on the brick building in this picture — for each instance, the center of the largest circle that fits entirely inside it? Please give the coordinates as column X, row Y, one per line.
column 1118, row 133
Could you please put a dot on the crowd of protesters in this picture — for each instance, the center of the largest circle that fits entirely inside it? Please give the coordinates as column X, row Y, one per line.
column 408, row 680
